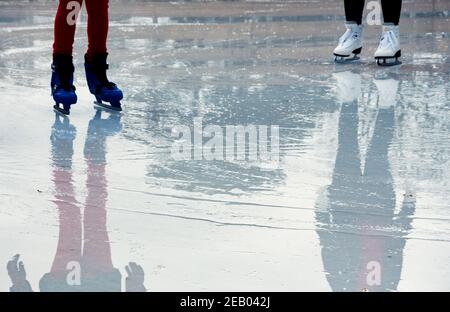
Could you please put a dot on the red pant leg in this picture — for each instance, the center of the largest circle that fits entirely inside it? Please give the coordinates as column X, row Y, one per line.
column 98, row 23
column 65, row 26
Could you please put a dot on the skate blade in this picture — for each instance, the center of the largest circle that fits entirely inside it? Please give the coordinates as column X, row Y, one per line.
column 61, row 111
column 107, row 107
column 388, row 62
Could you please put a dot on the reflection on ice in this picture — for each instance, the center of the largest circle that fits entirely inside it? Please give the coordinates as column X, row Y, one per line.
column 361, row 186
column 358, row 229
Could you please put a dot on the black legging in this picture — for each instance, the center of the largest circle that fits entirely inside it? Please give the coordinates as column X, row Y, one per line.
column 391, row 10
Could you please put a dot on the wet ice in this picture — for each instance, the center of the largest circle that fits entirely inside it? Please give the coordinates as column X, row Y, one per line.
column 362, row 178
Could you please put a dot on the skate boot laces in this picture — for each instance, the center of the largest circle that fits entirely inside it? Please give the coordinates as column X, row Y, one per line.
column 65, row 72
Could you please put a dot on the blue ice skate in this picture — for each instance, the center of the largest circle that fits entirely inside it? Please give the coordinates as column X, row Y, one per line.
column 63, row 90
column 99, row 85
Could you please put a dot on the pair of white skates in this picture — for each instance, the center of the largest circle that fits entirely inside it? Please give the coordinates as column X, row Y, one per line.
column 350, row 45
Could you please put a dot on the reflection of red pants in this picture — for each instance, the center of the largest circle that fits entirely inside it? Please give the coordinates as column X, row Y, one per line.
column 97, row 26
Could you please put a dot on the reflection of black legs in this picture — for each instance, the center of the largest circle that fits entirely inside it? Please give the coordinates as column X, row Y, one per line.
column 391, row 10
column 354, row 10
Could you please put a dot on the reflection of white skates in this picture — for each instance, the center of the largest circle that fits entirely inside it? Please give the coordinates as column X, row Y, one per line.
column 350, row 44
column 388, row 52
column 348, row 86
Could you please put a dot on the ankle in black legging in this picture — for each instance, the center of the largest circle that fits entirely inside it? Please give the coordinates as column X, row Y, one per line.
column 391, row 10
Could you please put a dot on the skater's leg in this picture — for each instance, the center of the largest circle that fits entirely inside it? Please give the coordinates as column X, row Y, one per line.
column 98, row 24
column 391, row 11
column 69, row 238
column 354, row 10
column 65, row 28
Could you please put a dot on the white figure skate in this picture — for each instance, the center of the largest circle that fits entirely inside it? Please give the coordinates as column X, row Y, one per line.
column 350, row 44
column 389, row 52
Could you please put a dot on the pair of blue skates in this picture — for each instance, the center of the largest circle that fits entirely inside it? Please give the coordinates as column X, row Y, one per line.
column 63, row 90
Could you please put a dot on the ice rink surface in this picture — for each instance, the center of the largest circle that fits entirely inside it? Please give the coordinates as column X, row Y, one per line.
column 361, row 187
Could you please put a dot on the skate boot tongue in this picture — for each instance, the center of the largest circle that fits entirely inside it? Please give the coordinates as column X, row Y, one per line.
column 63, row 65
column 389, row 51
column 354, row 32
column 66, row 83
